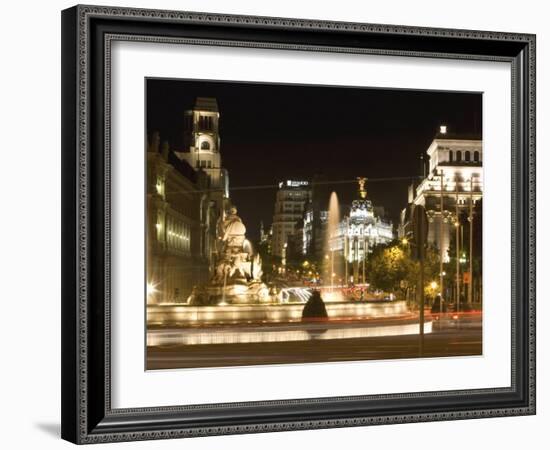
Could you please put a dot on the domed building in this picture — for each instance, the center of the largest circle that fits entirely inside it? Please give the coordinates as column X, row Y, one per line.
column 360, row 232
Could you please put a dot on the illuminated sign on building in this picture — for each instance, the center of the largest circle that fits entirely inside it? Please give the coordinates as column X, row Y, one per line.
column 293, row 183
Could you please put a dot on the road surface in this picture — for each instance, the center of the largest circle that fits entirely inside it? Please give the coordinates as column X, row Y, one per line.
column 449, row 337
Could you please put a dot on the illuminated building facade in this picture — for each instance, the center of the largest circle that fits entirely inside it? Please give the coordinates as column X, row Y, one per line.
column 358, row 233
column 176, row 256
column 202, row 152
column 290, row 201
column 452, row 192
column 349, row 240
column 452, row 186
column 202, row 142
column 187, row 196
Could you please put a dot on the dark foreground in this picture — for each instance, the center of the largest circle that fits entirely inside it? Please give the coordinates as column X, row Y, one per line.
column 449, row 338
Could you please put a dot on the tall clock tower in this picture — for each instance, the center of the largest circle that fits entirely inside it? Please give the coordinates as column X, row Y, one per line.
column 202, row 152
column 202, row 141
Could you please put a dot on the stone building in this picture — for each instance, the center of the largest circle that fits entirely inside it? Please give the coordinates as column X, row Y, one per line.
column 453, row 183
column 451, row 192
column 359, row 232
column 202, row 151
column 201, row 138
column 187, row 197
column 290, row 202
column 348, row 242
column 314, row 224
column 177, row 257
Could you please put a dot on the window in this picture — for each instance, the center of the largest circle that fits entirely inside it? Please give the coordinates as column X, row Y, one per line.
column 476, row 156
column 458, row 156
column 466, row 156
column 159, row 226
column 205, row 145
column 450, row 156
column 205, row 122
column 160, row 186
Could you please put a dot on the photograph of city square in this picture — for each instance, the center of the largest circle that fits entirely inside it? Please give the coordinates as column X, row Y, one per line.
column 292, row 224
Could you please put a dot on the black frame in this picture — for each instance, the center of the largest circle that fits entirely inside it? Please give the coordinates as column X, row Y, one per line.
column 87, row 416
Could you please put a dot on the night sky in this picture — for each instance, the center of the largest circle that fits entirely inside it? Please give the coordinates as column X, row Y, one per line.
column 273, row 132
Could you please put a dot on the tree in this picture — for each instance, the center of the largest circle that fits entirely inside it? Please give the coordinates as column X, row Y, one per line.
column 388, row 266
column 392, row 269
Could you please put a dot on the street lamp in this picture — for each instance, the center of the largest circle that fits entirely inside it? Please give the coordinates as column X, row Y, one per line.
column 151, row 288
column 151, row 291
column 471, row 220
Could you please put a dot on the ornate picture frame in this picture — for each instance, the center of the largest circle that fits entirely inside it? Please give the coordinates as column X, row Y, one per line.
column 87, row 35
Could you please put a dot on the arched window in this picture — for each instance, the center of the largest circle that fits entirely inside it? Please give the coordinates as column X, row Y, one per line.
column 476, row 156
column 205, row 145
column 466, row 156
column 450, row 156
column 458, row 156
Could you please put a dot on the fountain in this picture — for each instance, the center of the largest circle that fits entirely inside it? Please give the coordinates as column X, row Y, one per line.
column 236, row 294
column 331, row 246
column 237, row 276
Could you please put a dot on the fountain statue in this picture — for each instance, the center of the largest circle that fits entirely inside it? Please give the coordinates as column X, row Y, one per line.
column 236, row 294
column 237, row 273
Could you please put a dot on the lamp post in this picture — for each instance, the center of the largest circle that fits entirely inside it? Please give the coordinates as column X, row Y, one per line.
column 420, row 234
column 471, row 219
column 332, row 273
column 364, row 257
column 283, row 261
column 441, row 242
column 327, row 268
column 346, row 251
column 457, row 237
